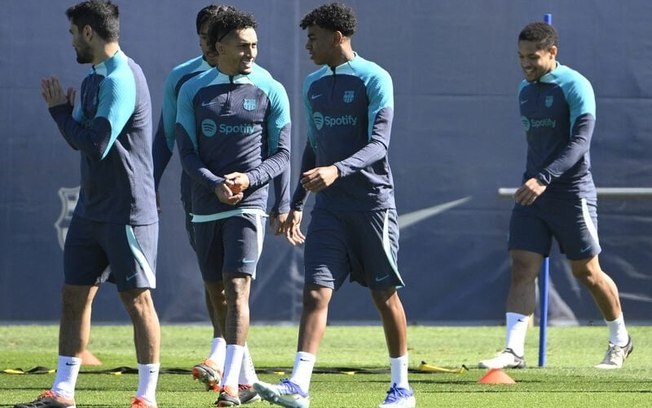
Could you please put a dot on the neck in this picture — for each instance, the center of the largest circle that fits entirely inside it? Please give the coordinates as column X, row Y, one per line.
column 106, row 51
column 343, row 55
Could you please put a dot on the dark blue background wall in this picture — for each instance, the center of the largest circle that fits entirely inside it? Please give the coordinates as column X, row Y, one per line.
column 456, row 140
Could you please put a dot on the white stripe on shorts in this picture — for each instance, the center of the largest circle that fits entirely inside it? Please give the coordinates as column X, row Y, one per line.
column 586, row 215
column 140, row 257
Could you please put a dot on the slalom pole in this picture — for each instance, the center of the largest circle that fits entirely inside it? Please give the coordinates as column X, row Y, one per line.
column 544, row 285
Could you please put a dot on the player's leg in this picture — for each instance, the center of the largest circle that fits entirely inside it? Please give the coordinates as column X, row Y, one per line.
column 577, row 233
column 132, row 254
column 84, row 261
column 247, row 379
column 529, row 240
column 373, row 243
column 242, row 237
column 208, row 249
column 326, row 268
column 294, row 392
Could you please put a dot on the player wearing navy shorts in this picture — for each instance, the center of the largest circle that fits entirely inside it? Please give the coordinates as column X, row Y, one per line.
column 115, row 221
column 209, row 371
column 353, row 232
column 233, row 132
column 558, row 198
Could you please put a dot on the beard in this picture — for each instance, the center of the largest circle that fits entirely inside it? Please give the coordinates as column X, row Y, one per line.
column 84, row 55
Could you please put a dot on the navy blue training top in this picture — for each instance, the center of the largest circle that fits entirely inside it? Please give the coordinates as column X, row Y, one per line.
column 231, row 124
column 165, row 134
column 349, row 111
column 558, row 113
column 112, row 129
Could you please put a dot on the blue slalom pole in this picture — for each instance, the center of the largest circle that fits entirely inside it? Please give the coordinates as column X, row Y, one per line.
column 543, row 302
column 543, row 285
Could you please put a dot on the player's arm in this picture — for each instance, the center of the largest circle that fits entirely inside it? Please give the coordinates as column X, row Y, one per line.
column 381, row 114
column 278, row 141
column 581, row 101
column 116, row 102
column 281, row 206
column 163, row 145
column 292, row 226
column 186, row 138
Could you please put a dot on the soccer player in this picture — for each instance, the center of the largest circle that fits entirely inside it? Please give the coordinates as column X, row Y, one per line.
column 115, row 222
column 210, row 370
column 558, row 198
column 353, row 231
column 233, row 132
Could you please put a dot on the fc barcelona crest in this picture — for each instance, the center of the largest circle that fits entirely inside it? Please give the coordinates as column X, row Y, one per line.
column 348, row 96
column 249, row 104
column 69, row 197
column 549, row 101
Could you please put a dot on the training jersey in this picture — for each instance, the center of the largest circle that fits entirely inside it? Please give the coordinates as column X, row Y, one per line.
column 349, row 111
column 164, row 139
column 112, row 129
column 558, row 113
column 231, row 124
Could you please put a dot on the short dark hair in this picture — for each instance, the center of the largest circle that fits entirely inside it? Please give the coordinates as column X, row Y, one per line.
column 333, row 17
column 226, row 22
column 208, row 12
column 542, row 34
column 101, row 15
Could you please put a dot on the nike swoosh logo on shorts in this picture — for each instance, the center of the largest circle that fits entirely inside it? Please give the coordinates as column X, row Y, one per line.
column 245, row 260
column 382, row 279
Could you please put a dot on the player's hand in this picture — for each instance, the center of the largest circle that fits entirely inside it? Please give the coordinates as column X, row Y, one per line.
column 529, row 192
column 53, row 93
column 319, row 178
column 226, row 196
column 277, row 222
column 293, row 228
column 237, row 182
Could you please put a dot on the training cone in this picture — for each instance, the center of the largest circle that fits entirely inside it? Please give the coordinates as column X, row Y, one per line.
column 496, row 376
column 89, row 359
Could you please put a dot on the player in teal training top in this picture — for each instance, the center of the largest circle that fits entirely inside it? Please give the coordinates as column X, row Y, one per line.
column 209, row 370
column 353, row 232
column 233, row 132
column 115, row 222
column 558, row 197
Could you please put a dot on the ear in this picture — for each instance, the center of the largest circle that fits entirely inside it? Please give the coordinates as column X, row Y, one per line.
column 338, row 37
column 87, row 32
column 553, row 51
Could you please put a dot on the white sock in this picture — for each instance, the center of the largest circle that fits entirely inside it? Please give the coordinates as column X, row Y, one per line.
column 399, row 369
column 517, row 325
column 618, row 334
column 66, row 378
column 147, row 380
column 302, row 371
column 232, row 365
column 218, row 352
column 248, row 374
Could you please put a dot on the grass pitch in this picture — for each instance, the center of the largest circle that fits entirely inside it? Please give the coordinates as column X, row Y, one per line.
column 351, row 367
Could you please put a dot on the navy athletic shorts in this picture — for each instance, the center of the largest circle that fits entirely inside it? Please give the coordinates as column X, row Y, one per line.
column 573, row 223
column 129, row 250
column 360, row 245
column 229, row 245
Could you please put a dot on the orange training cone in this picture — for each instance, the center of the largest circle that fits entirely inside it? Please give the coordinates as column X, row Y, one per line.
column 89, row 359
column 496, row 376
